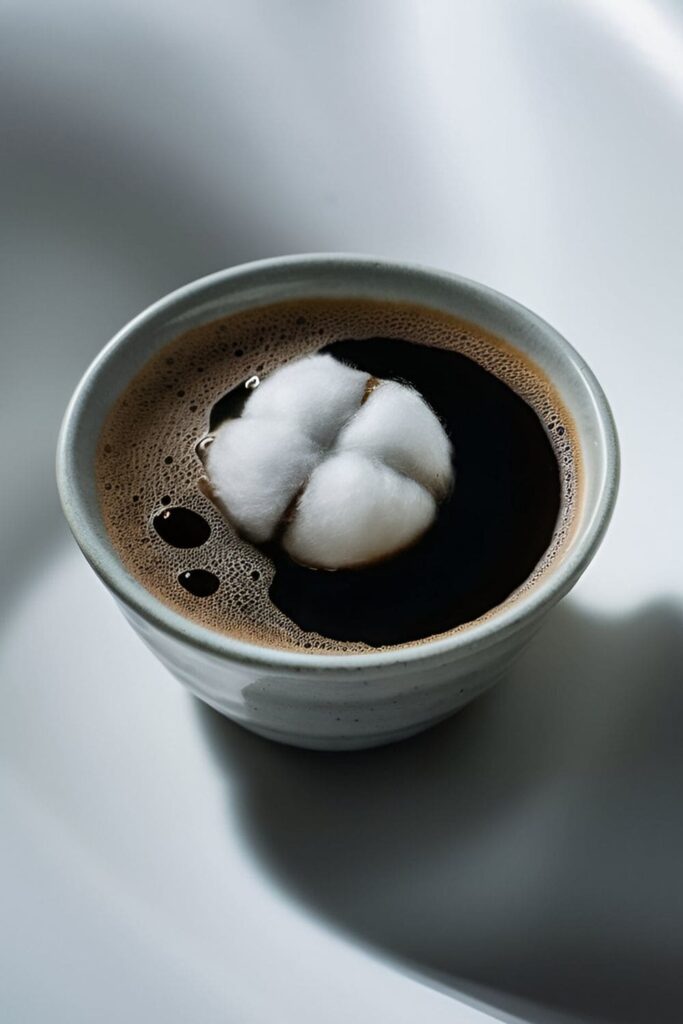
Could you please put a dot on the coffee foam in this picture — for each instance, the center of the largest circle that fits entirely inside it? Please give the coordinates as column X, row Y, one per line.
column 146, row 454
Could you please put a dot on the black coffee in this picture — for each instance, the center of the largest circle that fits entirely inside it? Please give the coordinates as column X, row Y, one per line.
column 504, row 521
column 181, row 527
column 489, row 534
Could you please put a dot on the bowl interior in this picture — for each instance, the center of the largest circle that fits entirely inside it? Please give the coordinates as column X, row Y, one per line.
column 271, row 281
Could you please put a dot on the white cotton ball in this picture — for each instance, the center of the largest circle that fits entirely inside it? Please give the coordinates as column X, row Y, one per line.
column 365, row 475
column 396, row 426
column 255, row 468
column 355, row 511
column 318, row 393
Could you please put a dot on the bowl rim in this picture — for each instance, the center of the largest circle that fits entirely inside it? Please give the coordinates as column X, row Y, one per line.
column 481, row 633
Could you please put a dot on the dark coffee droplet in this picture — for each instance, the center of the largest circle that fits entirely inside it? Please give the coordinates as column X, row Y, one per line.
column 181, row 527
column 199, row 582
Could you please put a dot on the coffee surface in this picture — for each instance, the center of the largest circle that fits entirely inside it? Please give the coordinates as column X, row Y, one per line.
column 507, row 517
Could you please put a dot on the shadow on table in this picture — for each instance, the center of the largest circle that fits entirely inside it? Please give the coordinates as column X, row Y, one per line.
column 526, row 853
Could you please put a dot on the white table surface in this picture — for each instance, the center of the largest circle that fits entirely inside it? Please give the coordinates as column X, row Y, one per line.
column 523, row 860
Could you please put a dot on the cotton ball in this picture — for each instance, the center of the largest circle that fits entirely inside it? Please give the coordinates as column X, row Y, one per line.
column 255, row 468
column 355, row 510
column 318, row 393
column 396, row 426
column 362, row 472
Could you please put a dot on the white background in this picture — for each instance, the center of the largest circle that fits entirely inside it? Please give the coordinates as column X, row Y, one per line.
column 160, row 864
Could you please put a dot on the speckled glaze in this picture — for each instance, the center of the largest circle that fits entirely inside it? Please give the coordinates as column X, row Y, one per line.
column 338, row 702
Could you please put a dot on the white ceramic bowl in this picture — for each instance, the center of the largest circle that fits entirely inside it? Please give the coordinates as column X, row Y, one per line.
column 336, row 702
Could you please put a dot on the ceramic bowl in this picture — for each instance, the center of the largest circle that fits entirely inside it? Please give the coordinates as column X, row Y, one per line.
column 337, row 702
